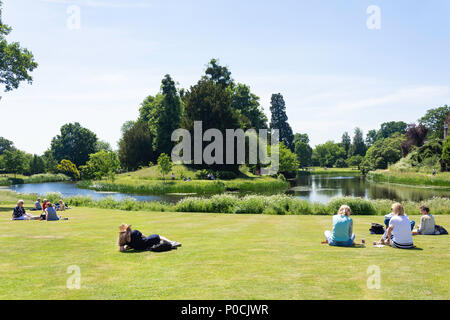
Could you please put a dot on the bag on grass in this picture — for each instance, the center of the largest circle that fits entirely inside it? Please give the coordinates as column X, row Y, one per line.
column 376, row 229
column 161, row 247
column 439, row 230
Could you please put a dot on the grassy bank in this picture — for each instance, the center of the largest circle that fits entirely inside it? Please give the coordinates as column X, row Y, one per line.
column 149, row 181
column 321, row 170
column 223, row 257
column 8, row 180
column 251, row 204
column 441, row 179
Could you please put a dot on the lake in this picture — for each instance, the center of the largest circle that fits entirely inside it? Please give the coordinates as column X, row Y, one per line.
column 322, row 187
column 314, row 188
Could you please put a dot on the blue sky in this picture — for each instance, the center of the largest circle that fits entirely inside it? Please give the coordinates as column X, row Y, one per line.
column 334, row 72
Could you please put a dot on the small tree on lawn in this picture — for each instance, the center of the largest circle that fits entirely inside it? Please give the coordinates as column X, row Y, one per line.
column 164, row 165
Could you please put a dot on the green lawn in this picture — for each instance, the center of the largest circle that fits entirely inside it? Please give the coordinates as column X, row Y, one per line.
column 223, row 257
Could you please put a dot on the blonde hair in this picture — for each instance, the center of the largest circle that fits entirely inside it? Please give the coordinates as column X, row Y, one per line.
column 398, row 209
column 345, row 209
column 20, row 201
column 124, row 238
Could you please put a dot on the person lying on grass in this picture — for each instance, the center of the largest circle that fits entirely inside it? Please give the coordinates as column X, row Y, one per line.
column 342, row 234
column 427, row 224
column 19, row 213
column 134, row 239
column 398, row 234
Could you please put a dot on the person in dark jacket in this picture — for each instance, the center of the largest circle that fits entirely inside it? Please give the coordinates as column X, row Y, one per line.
column 134, row 239
column 19, row 213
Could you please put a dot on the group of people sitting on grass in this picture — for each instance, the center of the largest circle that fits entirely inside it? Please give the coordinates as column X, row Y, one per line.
column 399, row 229
column 49, row 211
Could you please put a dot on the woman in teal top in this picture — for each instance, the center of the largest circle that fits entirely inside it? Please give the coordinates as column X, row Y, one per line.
column 342, row 234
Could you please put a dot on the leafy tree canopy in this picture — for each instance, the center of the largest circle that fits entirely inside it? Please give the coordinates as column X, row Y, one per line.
column 75, row 143
column 434, row 120
column 15, row 62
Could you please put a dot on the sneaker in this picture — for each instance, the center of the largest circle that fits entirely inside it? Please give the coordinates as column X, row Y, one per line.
column 175, row 244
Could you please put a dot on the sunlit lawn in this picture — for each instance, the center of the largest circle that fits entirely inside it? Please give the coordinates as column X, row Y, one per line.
column 223, row 257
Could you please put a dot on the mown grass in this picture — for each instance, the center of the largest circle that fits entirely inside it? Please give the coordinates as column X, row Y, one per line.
column 250, row 204
column 441, row 179
column 223, row 257
column 9, row 179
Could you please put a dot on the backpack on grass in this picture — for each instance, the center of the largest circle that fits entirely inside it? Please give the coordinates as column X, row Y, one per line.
column 376, row 229
column 439, row 230
column 161, row 247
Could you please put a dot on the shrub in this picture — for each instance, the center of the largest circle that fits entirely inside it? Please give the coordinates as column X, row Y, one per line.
column 226, row 175
column 358, row 205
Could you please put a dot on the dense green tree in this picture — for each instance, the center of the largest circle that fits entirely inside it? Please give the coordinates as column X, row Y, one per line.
column 248, row 105
column 358, row 146
column 326, row 154
column 279, row 120
column 304, row 152
column 371, row 137
column 218, row 74
column 382, row 153
column 355, row 161
column 15, row 161
column 163, row 114
column 341, row 163
column 434, row 120
column 446, row 154
column 15, row 62
column 75, row 143
column 49, row 161
column 37, row 165
column 387, row 129
column 346, row 142
column 101, row 164
column 288, row 162
column 210, row 103
column 5, row 145
column 136, row 147
column 303, row 137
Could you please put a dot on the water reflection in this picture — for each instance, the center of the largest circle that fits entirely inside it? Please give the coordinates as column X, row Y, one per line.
column 68, row 189
column 321, row 188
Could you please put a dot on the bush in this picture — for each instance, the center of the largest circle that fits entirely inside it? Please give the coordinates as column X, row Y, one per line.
column 340, row 163
column 226, row 175
column 358, row 205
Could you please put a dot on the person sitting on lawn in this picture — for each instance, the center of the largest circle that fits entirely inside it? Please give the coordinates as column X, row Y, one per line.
column 50, row 213
column 61, row 206
column 388, row 217
column 398, row 234
column 37, row 205
column 342, row 234
column 44, row 205
column 134, row 239
column 427, row 224
column 19, row 213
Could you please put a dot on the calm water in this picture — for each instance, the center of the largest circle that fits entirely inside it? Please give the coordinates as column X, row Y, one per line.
column 68, row 189
column 321, row 188
column 314, row 188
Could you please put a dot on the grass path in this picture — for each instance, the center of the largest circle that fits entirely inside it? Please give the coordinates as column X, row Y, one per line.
column 223, row 257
